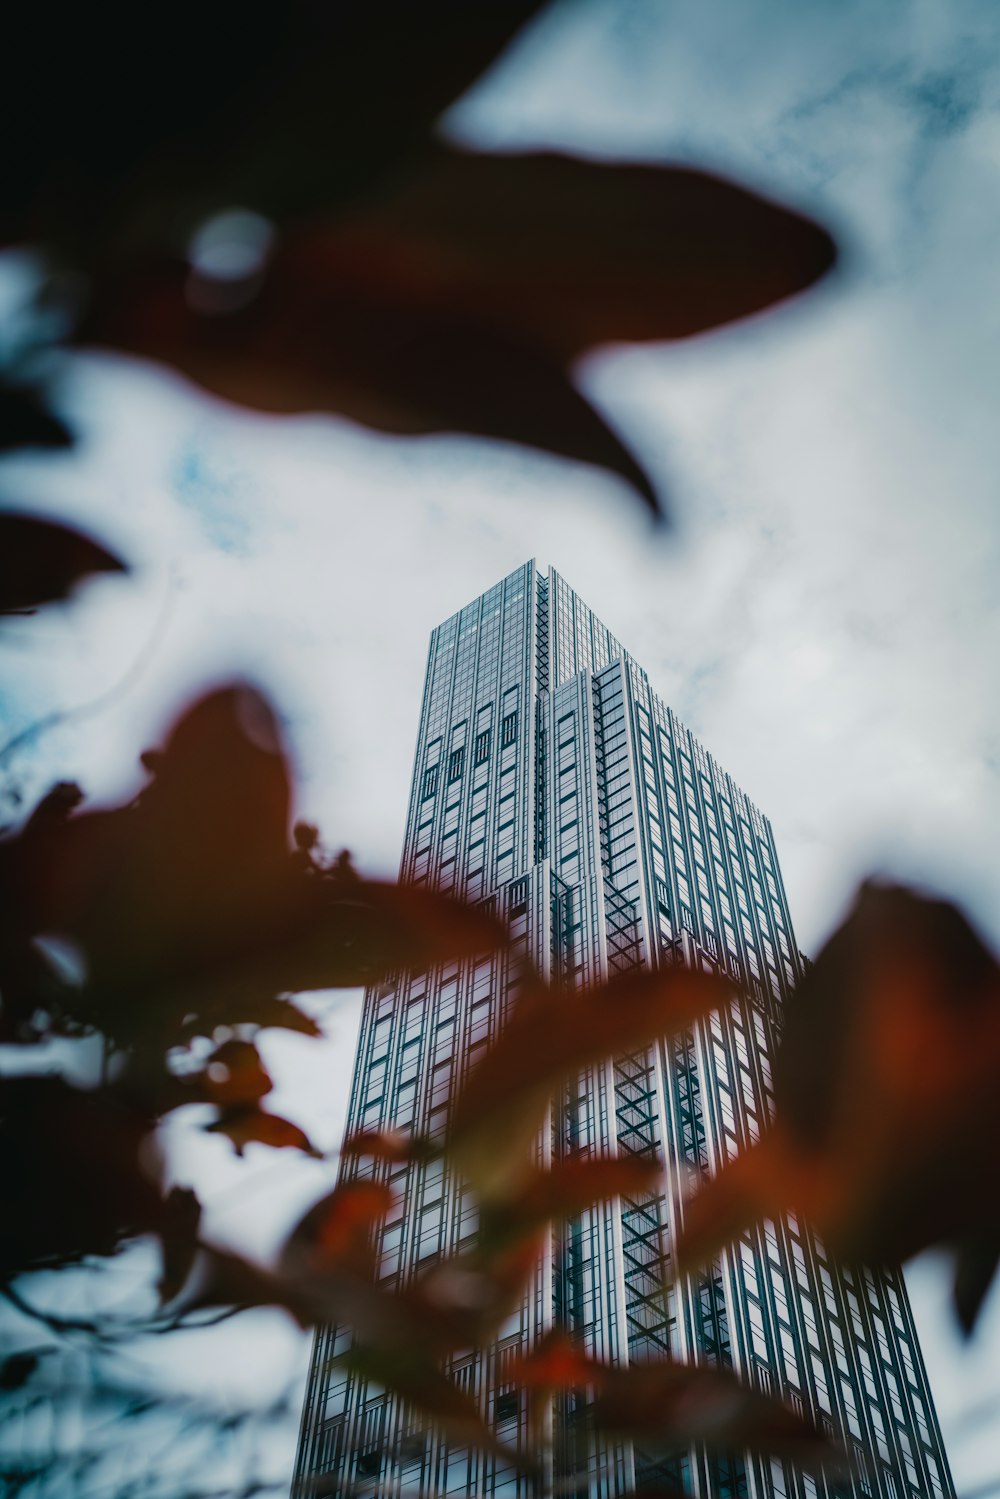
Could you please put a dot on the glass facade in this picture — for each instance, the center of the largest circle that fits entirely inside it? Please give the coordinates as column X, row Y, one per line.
column 551, row 782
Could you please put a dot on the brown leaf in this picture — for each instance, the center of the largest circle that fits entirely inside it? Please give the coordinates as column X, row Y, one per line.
column 455, row 300
column 234, row 1076
column 667, row 1407
column 336, row 1231
column 582, row 253
column 549, row 1037
column 250, row 1126
column 42, row 561
column 340, row 324
column 887, row 1093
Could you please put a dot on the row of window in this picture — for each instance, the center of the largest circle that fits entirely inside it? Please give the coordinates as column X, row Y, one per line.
column 456, row 760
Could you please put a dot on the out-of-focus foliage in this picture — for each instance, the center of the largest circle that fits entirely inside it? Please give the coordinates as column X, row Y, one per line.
column 258, row 199
column 453, row 301
column 278, row 221
column 887, row 1099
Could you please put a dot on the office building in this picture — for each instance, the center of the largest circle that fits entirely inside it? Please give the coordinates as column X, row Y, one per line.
column 553, row 782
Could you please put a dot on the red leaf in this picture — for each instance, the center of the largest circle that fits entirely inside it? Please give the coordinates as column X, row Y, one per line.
column 564, row 1191
column 549, row 1037
column 42, row 561
column 556, row 1362
column 887, row 1095
column 667, row 1407
column 256, row 1127
column 189, row 908
column 234, row 1076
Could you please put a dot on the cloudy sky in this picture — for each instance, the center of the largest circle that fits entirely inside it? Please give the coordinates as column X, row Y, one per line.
column 825, row 614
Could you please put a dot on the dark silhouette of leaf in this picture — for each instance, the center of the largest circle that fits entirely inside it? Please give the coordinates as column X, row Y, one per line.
column 17, row 1369
column 221, row 1279
column 72, row 1178
column 250, row 1126
column 27, row 422
column 583, row 253
column 887, row 1096
column 178, row 1239
column 341, row 324
column 326, row 1262
column 284, row 111
column 234, row 1076
column 188, row 908
column 454, row 301
column 42, row 561
column 976, row 1261
column 549, row 1037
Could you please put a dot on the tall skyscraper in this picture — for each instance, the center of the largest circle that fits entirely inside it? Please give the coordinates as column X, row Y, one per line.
column 553, row 783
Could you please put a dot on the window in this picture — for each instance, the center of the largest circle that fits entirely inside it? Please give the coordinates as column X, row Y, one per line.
column 508, row 730
column 456, row 764
column 430, row 780
column 483, row 746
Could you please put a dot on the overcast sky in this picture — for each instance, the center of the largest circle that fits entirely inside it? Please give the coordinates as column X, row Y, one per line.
column 825, row 615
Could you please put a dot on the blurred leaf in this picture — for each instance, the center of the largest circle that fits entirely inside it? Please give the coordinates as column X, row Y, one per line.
column 414, row 1377
column 340, row 325
column 387, row 1145
column 454, row 301
column 887, row 1096
column 27, row 422
column 666, row 1407
column 221, row 1279
column 42, row 561
column 557, row 1362
column 17, row 1369
column 326, row 1263
column 281, row 110
column 187, row 907
column 234, row 1076
column 72, row 1174
column 976, row 1262
column 550, row 1036
column 582, row 253
column 564, row 1191
column 179, row 1239
column 336, row 1231
column 251, row 1126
